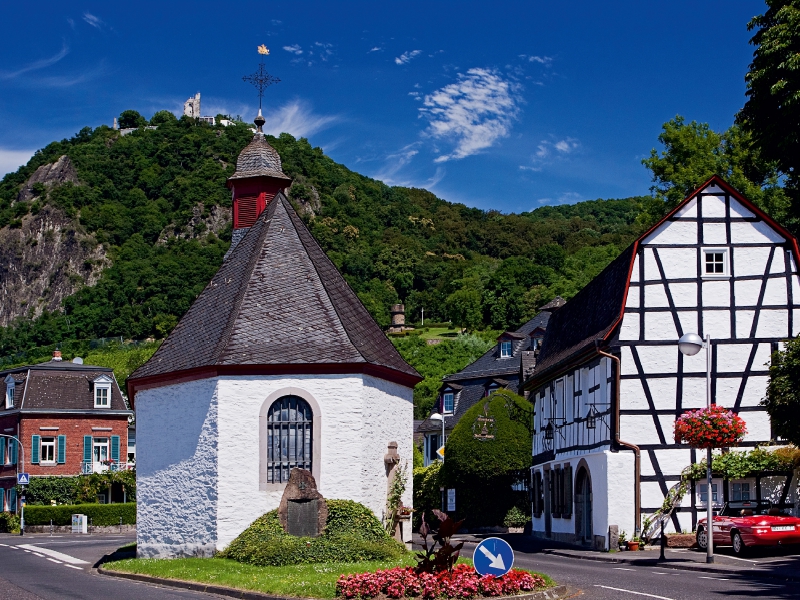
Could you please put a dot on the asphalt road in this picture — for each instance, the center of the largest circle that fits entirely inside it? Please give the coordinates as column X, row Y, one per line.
column 37, row 567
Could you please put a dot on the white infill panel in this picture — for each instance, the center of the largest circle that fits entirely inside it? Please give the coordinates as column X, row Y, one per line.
column 678, row 263
column 689, row 210
column 673, row 232
column 630, row 327
column 660, row 326
column 754, row 233
column 796, row 321
column 632, row 396
column 773, row 324
column 694, row 393
column 635, row 270
column 775, row 294
column 738, row 210
column 713, row 189
column 689, row 321
column 651, row 271
column 658, row 359
column 638, row 429
column 715, row 234
column 684, row 294
column 717, row 293
column 712, row 207
column 778, row 262
column 750, row 261
column 632, row 300
column 717, row 323
column 655, row 296
column 727, row 390
column 732, row 358
column 744, row 323
column 755, row 389
column 746, row 292
column 662, row 391
column 763, row 357
column 758, row 426
column 628, row 367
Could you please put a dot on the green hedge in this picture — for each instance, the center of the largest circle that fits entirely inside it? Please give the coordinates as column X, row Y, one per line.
column 352, row 534
column 98, row 514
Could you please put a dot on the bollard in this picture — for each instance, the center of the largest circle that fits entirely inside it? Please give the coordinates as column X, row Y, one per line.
column 51, row 527
column 663, row 542
column 120, row 524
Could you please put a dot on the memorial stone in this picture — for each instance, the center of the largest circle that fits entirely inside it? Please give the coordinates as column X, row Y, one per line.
column 303, row 511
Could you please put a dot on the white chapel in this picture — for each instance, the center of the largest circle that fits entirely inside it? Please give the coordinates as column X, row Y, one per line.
column 276, row 365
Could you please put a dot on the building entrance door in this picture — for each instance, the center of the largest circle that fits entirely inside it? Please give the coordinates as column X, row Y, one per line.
column 100, row 453
column 583, row 507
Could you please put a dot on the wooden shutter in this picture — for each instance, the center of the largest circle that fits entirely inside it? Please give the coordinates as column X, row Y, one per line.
column 35, row 444
column 567, row 491
column 115, row 448
column 538, row 495
column 13, row 452
column 2, row 452
column 12, row 500
column 87, row 448
column 62, row 450
column 553, row 493
column 247, row 211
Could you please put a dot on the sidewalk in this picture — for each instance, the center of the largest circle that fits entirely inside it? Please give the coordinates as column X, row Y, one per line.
column 774, row 562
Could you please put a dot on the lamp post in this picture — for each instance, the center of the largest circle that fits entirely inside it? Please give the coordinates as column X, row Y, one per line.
column 690, row 344
column 20, row 459
column 438, row 417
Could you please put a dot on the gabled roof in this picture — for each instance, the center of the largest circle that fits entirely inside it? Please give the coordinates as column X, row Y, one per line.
column 277, row 305
column 592, row 316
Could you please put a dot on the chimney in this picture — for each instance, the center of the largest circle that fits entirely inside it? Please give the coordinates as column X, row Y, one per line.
column 57, row 355
column 398, row 312
column 116, row 126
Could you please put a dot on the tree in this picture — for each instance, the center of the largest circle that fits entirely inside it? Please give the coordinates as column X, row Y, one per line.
column 131, row 118
column 162, row 116
column 464, row 308
column 771, row 114
column 783, row 392
column 693, row 152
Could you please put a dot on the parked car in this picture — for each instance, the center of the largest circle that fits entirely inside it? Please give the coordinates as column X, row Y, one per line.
column 747, row 523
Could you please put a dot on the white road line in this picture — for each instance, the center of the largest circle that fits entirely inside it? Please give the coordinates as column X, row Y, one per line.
column 28, row 551
column 623, row 569
column 752, row 562
column 58, row 562
column 714, row 578
column 15, row 548
column 55, row 554
column 73, row 567
column 608, row 587
column 4, row 545
column 37, row 554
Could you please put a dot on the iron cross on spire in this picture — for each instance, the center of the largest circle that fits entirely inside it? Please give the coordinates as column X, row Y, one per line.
column 261, row 79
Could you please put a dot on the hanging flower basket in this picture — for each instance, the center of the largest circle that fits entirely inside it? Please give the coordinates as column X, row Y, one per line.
column 714, row 427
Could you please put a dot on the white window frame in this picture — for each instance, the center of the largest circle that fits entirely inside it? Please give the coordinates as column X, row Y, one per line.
column 726, row 271
column 50, row 443
column 102, row 383
column 506, row 349
column 749, row 491
column 452, row 403
column 10, row 384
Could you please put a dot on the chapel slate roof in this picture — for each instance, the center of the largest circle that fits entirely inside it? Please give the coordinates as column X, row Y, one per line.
column 589, row 316
column 277, row 300
column 259, row 159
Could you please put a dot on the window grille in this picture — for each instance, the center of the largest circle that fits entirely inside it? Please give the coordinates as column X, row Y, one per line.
column 289, row 428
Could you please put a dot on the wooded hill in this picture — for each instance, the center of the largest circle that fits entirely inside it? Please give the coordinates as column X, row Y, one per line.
column 152, row 209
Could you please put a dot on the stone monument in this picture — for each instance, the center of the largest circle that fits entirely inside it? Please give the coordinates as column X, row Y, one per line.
column 303, row 511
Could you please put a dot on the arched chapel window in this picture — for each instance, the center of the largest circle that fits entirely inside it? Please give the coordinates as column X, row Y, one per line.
column 289, row 444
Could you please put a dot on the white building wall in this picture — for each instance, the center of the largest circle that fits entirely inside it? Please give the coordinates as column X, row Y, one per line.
column 220, row 491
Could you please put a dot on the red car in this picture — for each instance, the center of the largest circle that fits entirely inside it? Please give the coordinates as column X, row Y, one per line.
column 747, row 523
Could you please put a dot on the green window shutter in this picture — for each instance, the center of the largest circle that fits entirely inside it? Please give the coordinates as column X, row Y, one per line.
column 35, row 445
column 87, row 448
column 12, row 500
column 3, row 451
column 115, row 448
column 13, row 452
column 568, row 491
column 62, row 450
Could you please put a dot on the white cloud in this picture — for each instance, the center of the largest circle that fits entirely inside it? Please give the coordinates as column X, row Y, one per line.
column 375, row 49
column 93, row 21
column 474, row 112
column 544, row 60
column 294, row 49
column 11, row 160
column 407, row 56
column 324, row 51
column 36, row 65
column 296, row 118
column 563, row 198
column 548, row 148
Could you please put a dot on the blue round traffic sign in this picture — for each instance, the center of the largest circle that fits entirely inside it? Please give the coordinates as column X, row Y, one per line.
column 493, row 556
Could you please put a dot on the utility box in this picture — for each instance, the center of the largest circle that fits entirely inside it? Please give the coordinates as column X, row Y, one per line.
column 79, row 524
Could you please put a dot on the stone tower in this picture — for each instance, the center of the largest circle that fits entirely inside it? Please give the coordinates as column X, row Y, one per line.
column 191, row 108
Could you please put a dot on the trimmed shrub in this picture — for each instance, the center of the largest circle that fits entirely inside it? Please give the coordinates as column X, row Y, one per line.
column 80, row 489
column 9, row 522
column 483, row 470
column 41, row 490
column 352, row 534
column 426, row 493
column 100, row 514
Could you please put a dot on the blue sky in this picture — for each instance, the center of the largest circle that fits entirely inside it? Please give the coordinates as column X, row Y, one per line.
column 506, row 105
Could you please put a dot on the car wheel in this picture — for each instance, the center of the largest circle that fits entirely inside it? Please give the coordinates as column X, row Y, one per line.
column 701, row 538
column 738, row 544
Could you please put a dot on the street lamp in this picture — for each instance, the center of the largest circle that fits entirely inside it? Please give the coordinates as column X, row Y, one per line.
column 690, row 344
column 438, row 417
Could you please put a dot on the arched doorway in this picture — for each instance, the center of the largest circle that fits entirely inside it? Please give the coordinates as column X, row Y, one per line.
column 583, row 507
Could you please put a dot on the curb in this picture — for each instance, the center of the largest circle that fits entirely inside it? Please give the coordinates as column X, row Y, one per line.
column 555, row 593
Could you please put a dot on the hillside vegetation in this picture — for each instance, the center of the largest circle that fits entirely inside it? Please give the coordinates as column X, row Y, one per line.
column 157, row 202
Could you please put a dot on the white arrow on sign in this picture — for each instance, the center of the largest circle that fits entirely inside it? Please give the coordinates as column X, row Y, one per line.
column 496, row 561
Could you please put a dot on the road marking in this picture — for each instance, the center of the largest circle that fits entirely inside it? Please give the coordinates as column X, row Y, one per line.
column 73, row 567
column 28, row 551
column 737, row 558
column 608, row 587
column 4, row 545
column 55, row 554
column 623, row 569
column 714, row 578
column 58, row 562
column 37, row 554
column 13, row 547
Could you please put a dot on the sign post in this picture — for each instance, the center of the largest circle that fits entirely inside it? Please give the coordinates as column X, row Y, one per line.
column 23, row 479
column 493, row 556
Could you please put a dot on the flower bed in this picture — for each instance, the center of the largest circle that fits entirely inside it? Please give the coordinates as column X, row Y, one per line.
column 462, row 582
column 713, row 427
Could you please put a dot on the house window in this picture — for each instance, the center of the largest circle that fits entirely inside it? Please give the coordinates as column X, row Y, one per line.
column 433, row 445
column 491, row 389
column 536, row 343
column 101, row 396
column 289, row 428
column 505, row 349
column 703, row 490
column 48, row 450
column 740, row 491
column 9, row 392
column 100, row 450
column 447, row 402
column 715, row 262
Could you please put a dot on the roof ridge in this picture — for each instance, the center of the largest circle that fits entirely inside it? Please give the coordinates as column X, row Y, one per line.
column 266, row 219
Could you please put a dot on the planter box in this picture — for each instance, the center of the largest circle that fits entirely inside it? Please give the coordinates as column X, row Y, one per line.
column 681, row 540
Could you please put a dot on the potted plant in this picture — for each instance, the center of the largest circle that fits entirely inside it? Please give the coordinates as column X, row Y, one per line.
column 623, row 541
column 633, row 545
column 712, row 427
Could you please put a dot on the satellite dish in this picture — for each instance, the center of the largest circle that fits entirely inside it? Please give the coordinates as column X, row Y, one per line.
column 77, row 360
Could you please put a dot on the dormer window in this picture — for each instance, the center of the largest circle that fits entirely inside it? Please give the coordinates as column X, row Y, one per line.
column 10, row 383
column 492, row 388
column 448, row 402
column 102, row 392
column 505, row 349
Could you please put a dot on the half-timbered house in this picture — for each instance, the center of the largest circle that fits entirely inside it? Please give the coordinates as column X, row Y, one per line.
column 611, row 381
